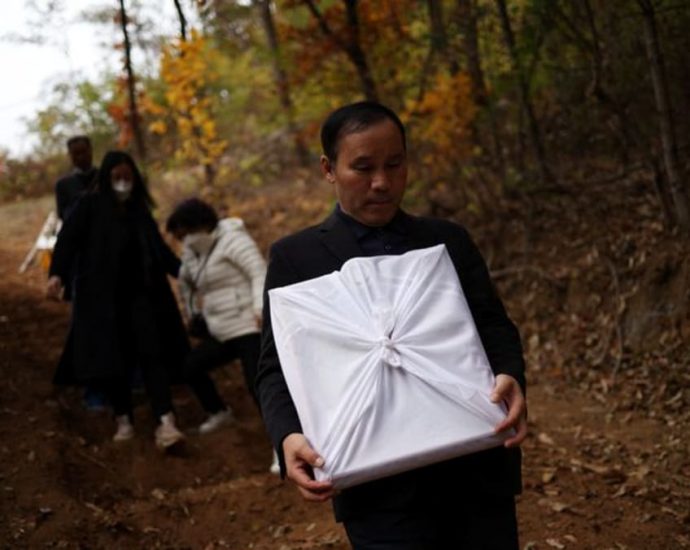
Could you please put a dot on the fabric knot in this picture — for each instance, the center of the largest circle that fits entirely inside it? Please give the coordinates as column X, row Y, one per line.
column 390, row 354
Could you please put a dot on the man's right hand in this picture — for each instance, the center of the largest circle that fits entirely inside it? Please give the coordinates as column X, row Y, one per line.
column 54, row 288
column 300, row 459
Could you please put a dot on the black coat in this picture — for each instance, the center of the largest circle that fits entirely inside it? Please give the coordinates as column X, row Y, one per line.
column 92, row 236
column 321, row 249
column 70, row 188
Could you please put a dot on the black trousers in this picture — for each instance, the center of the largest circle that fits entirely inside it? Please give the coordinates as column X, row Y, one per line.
column 156, row 383
column 211, row 353
column 486, row 523
column 141, row 348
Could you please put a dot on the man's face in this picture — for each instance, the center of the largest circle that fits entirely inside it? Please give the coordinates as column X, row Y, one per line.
column 81, row 155
column 370, row 173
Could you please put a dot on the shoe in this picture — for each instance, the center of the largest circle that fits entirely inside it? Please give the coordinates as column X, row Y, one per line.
column 275, row 465
column 216, row 420
column 167, row 434
column 125, row 430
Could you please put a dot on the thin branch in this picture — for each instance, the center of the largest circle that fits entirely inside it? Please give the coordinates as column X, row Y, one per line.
column 323, row 24
column 183, row 20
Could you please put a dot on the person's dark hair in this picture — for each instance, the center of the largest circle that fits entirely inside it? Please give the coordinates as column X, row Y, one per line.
column 354, row 118
column 104, row 184
column 191, row 215
column 78, row 139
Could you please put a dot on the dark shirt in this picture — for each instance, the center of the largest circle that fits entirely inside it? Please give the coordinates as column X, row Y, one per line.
column 391, row 238
column 69, row 188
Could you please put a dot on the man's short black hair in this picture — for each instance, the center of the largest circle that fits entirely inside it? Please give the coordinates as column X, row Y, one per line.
column 78, row 139
column 191, row 215
column 354, row 118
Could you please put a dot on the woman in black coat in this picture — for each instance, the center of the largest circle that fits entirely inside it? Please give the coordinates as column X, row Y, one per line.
column 124, row 315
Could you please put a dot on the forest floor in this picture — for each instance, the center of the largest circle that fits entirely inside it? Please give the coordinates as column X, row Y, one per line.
column 606, row 465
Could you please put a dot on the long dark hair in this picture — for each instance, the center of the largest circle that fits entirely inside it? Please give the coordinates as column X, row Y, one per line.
column 140, row 192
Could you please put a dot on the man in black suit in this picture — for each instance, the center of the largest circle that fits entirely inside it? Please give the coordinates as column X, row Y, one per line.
column 68, row 190
column 70, row 187
column 467, row 502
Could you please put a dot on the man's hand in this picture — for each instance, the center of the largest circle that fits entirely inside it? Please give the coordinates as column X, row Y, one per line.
column 300, row 458
column 508, row 390
column 54, row 288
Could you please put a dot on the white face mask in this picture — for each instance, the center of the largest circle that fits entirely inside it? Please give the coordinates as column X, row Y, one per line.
column 123, row 189
column 200, row 242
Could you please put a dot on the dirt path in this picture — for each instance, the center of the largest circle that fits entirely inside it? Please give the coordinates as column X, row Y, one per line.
column 595, row 477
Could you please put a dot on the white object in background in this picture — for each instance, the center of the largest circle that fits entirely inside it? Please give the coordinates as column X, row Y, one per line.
column 385, row 366
column 45, row 241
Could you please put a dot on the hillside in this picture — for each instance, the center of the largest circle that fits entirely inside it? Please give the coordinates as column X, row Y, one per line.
column 598, row 287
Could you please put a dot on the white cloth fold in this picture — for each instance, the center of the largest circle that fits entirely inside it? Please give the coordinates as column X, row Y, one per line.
column 385, row 365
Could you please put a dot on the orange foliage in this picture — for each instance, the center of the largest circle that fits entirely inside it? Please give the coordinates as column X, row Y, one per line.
column 119, row 111
column 380, row 22
column 447, row 110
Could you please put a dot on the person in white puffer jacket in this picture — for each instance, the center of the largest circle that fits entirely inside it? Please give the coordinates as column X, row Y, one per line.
column 221, row 282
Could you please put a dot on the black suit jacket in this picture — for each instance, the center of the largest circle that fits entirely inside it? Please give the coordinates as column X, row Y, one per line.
column 70, row 188
column 324, row 248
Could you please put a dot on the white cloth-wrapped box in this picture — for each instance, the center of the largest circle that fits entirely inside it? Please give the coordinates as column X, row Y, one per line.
column 385, row 366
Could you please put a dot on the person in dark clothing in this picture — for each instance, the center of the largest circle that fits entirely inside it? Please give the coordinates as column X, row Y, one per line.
column 69, row 188
column 466, row 502
column 124, row 313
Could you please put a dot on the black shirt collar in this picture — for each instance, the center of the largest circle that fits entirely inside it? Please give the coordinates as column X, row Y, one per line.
column 359, row 230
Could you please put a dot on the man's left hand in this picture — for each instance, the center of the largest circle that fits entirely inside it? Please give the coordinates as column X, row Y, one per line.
column 508, row 390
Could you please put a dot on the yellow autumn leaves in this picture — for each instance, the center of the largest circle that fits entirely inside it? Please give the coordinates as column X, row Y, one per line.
column 188, row 104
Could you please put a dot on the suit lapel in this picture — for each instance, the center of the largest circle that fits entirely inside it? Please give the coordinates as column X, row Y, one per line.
column 338, row 239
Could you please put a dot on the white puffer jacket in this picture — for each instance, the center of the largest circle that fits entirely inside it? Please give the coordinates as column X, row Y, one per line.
column 230, row 284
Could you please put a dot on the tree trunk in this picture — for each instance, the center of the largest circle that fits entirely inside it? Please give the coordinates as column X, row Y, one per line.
column 133, row 109
column 182, row 19
column 525, row 100
column 439, row 39
column 665, row 113
column 599, row 91
column 438, row 46
column 467, row 17
column 351, row 47
column 281, row 79
column 356, row 53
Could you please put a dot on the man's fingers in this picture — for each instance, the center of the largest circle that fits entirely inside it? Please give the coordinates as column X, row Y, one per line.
column 519, row 437
column 501, row 390
column 316, row 491
column 515, row 413
column 310, row 456
column 300, row 459
column 315, row 496
column 508, row 391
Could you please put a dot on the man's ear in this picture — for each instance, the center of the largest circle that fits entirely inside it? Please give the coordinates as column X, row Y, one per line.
column 327, row 168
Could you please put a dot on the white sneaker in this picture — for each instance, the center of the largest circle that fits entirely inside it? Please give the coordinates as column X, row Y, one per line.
column 215, row 421
column 275, row 465
column 125, row 430
column 167, row 433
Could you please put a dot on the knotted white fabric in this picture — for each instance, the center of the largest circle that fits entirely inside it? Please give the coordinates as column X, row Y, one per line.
column 385, row 366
